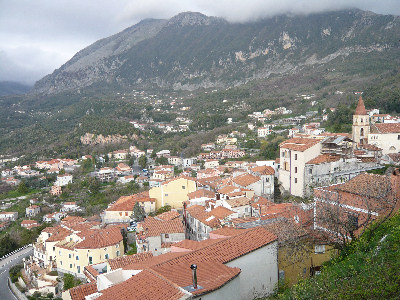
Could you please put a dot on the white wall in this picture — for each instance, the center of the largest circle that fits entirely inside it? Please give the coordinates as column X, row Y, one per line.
column 259, row 274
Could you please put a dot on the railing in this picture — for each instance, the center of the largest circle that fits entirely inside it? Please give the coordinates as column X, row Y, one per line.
column 15, row 251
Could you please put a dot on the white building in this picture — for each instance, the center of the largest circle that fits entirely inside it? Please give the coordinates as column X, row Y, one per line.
column 294, row 153
column 63, row 180
column 263, row 131
column 385, row 136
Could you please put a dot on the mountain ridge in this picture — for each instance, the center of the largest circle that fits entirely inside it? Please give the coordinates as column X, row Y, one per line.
column 191, row 50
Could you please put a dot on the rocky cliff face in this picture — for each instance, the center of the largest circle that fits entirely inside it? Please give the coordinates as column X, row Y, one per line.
column 192, row 50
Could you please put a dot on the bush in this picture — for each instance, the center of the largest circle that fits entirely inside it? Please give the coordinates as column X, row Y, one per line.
column 70, row 281
column 15, row 272
column 53, row 273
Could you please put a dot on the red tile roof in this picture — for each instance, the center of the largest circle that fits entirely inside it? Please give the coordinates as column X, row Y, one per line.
column 201, row 193
column 221, row 212
column 388, row 127
column 360, row 110
column 126, row 203
column 126, row 260
column 155, row 227
column 263, row 170
column 299, row 144
column 228, row 189
column 79, row 292
column 323, row 158
column 147, row 285
column 246, row 179
column 237, row 202
column 100, row 238
column 169, row 215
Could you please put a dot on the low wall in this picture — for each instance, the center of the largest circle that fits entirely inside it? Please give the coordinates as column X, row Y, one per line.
column 17, row 293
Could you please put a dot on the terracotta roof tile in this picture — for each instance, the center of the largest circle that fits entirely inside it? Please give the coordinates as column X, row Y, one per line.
column 126, row 260
column 299, row 144
column 221, row 212
column 79, row 292
column 237, row 202
column 100, row 238
column 246, row 179
column 210, row 275
column 169, row 215
column 360, row 110
column 263, row 170
column 323, row 158
column 147, row 285
column 194, row 245
column 388, row 127
column 201, row 193
column 126, row 203
column 155, row 227
column 228, row 189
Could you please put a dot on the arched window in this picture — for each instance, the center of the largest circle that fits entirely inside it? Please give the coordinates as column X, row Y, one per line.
column 362, row 132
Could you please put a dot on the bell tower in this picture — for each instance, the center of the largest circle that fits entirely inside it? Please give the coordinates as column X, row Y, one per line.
column 360, row 129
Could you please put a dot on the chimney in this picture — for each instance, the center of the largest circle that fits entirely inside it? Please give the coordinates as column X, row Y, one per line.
column 194, row 275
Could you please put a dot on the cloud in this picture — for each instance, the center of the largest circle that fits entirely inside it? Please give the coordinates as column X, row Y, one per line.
column 38, row 36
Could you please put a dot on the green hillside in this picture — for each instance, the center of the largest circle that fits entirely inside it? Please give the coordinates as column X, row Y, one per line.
column 368, row 268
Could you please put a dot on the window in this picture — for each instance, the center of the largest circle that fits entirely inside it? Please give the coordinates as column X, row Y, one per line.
column 79, row 269
column 77, row 257
column 166, row 195
column 318, row 249
column 90, row 260
column 59, row 253
column 183, row 187
column 106, row 256
column 60, row 262
column 167, row 236
column 295, row 169
column 69, row 255
column 295, row 156
column 295, row 180
column 398, row 137
column 362, row 132
column 70, row 266
column 54, row 248
column 267, row 179
column 310, row 171
column 126, row 214
column 117, row 253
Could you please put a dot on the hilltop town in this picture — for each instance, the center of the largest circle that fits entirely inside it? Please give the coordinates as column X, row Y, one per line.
column 234, row 219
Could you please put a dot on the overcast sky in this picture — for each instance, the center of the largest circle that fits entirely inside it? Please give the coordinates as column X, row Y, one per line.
column 38, row 36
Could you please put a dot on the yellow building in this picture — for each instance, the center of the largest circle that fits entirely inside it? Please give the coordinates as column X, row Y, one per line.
column 173, row 192
column 299, row 254
column 87, row 247
column 122, row 210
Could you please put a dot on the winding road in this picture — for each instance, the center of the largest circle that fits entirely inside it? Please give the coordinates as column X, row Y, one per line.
column 5, row 265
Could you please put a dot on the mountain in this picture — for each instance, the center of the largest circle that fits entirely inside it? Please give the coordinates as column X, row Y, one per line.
column 191, row 51
column 13, row 88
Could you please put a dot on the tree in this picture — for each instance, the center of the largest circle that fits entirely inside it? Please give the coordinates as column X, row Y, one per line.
column 161, row 161
column 138, row 212
column 131, row 159
column 346, row 210
column 143, row 161
column 22, row 188
column 163, row 209
column 132, row 187
column 93, row 185
column 70, row 281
